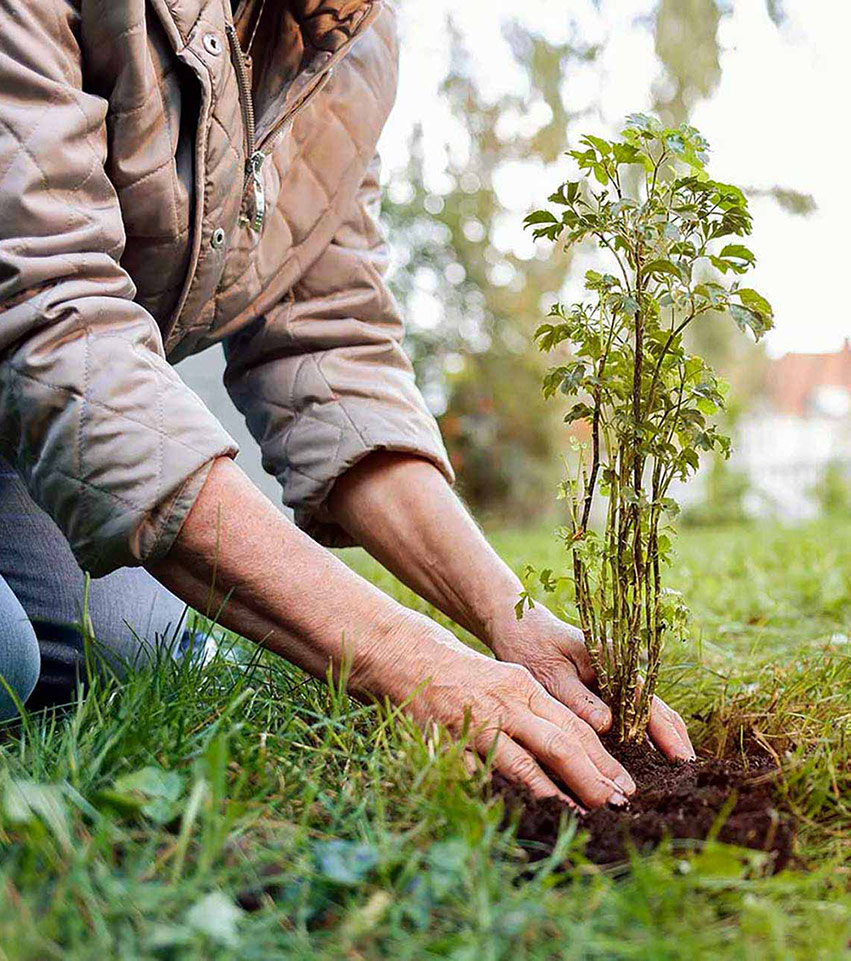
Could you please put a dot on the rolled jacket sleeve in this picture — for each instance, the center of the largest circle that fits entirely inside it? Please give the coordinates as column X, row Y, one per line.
column 108, row 439
column 323, row 380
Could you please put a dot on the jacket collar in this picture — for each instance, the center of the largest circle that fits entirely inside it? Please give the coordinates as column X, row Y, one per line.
column 180, row 16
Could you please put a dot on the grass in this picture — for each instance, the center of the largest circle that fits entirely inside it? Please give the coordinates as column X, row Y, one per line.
column 135, row 824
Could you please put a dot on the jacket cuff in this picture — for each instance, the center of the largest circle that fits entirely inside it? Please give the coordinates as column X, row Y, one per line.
column 155, row 536
column 128, row 541
column 306, row 490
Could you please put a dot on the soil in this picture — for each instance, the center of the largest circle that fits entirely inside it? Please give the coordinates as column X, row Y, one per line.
column 683, row 800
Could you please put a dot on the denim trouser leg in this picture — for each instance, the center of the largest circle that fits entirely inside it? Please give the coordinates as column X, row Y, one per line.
column 42, row 597
column 19, row 656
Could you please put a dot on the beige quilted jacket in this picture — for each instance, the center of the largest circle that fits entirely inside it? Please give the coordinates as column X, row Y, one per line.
column 160, row 192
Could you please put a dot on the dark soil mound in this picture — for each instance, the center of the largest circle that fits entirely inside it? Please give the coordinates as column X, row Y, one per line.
column 682, row 800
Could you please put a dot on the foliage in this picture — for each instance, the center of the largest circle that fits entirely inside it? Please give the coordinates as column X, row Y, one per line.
column 833, row 491
column 723, row 500
column 643, row 400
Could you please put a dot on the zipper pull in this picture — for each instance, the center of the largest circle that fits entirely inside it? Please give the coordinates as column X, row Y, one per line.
column 253, row 173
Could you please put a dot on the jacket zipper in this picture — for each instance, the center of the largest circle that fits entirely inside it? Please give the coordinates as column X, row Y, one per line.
column 254, row 153
column 253, row 157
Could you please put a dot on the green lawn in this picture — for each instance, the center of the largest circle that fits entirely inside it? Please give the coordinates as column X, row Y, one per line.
column 129, row 826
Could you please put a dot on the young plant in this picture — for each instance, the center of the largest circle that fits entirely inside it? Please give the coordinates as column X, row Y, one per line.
column 643, row 403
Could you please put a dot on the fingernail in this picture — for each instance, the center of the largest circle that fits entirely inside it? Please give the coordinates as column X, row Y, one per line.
column 625, row 783
column 569, row 802
column 618, row 801
column 600, row 718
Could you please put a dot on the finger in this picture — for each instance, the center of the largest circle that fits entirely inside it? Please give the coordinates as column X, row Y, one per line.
column 680, row 725
column 551, row 710
column 668, row 732
column 565, row 756
column 566, row 687
column 521, row 768
column 573, row 647
column 472, row 763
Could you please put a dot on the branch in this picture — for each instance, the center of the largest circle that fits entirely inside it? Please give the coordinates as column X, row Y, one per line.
column 671, row 337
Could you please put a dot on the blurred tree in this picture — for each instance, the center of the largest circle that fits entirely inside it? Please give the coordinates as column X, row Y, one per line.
column 686, row 42
column 475, row 295
column 776, row 10
column 833, row 491
column 488, row 286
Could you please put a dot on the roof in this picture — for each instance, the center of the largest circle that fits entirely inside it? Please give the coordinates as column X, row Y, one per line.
column 795, row 380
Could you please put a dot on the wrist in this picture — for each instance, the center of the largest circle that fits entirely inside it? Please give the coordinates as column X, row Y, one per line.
column 508, row 634
column 400, row 650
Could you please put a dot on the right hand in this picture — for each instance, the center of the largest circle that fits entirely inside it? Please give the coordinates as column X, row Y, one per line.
column 510, row 714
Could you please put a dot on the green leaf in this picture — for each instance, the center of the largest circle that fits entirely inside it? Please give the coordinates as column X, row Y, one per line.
column 629, row 305
column 603, row 147
column 626, row 153
column 578, row 412
column 738, row 252
column 551, row 335
column 151, row 791
column 566, row 193
column 755, row 301
column 663, row 268
column 712, row 292
column 601, row 174
column 747, row 319
column 540, row 217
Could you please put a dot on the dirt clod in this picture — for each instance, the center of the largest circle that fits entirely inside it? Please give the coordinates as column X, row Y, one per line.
column 676, row 800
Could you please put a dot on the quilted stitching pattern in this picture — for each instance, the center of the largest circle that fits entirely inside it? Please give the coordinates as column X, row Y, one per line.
column 121, row 154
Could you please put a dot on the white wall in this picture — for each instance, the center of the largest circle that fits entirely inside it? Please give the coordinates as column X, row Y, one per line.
column 786, row 456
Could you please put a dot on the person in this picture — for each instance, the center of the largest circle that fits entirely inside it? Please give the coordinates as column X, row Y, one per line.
column 184, row 173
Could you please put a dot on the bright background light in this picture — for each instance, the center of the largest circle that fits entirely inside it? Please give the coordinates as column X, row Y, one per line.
column 778, row 118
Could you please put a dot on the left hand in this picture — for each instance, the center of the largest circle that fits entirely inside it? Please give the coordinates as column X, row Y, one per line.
column 555, row 654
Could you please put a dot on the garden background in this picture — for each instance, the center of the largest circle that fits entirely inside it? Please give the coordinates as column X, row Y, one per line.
column 490, row 97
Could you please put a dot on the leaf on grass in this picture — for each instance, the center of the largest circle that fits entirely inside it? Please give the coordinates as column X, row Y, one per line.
column 346, row 863
column 151, row 791
column 216, row 916
column 27, row 801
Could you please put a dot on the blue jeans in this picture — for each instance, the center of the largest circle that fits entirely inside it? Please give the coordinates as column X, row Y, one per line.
column 41, row 608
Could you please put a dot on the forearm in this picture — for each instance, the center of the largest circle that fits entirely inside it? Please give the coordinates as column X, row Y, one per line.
column 279, row 588
column 276, row 586
column 401, row 509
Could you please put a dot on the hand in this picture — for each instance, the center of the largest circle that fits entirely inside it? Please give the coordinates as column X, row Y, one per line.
column 555, row 654
column 506, row 712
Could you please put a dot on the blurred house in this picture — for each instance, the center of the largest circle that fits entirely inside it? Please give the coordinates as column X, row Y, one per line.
column 800, row 429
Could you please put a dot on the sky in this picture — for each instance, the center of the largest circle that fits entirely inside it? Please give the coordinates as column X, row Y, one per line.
column 778, row 117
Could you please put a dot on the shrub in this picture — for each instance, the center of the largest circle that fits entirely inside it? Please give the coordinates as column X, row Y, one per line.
column 643, row 403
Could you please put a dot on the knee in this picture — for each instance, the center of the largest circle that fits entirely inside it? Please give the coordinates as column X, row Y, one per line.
column 132, row 616
column 20, row 662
